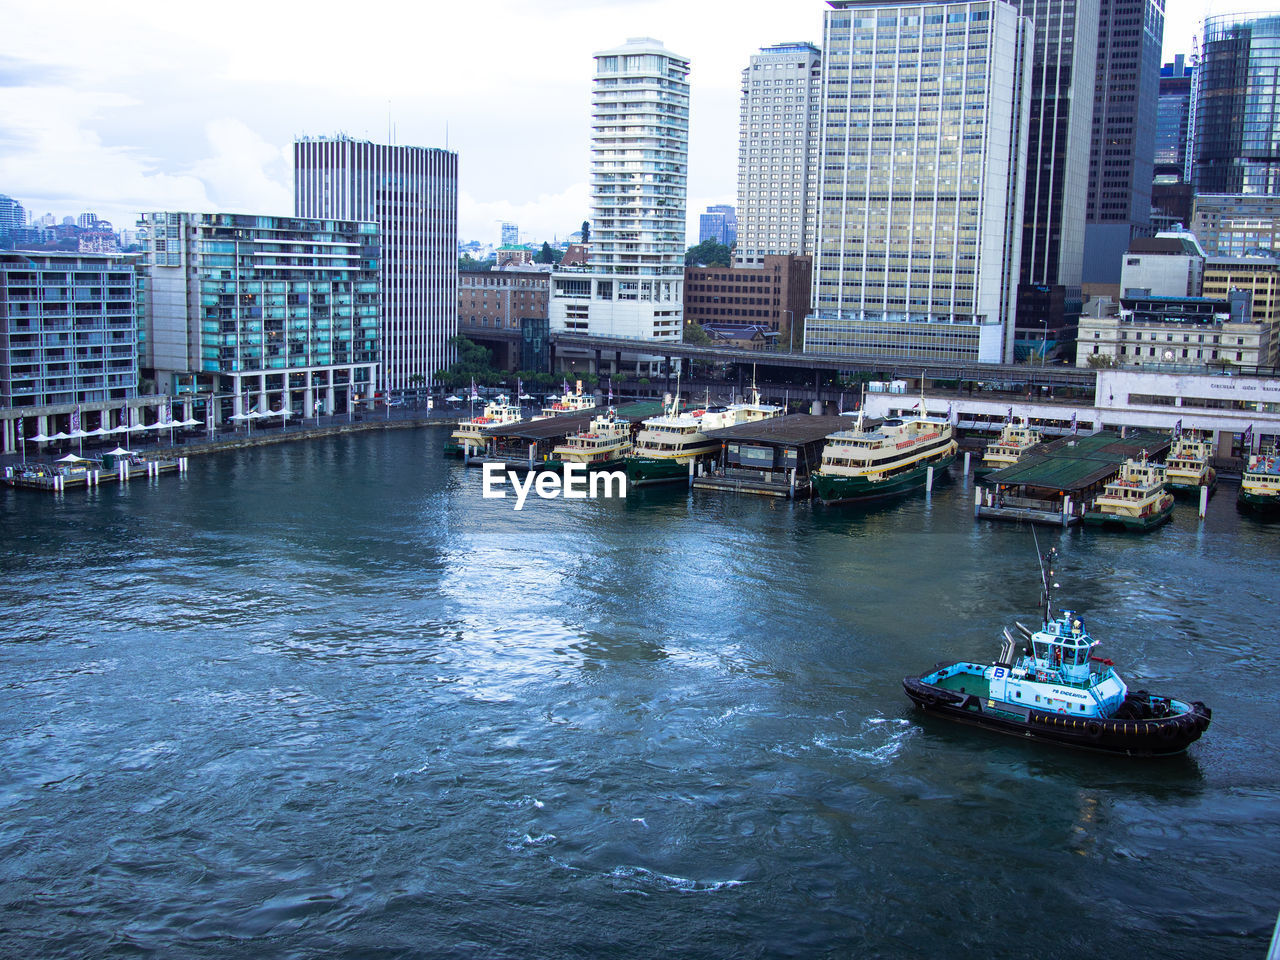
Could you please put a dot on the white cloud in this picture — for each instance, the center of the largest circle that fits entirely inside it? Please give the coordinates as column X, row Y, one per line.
column 543, row 218
column 245, row 173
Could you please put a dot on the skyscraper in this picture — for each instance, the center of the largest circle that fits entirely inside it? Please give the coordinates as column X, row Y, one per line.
column 1130, row 34
column 1172, row 114
column 411, row 193
column 1237, row 119
column 777, row 151
column 633, row 284
column 920, row 196
column 719, row 223
column 1059, row 129
column 510, row 234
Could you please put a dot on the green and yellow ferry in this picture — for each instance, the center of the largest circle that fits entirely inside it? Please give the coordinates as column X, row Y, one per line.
column 890, row 458
column 1187, row 467
column 1260, row 486
column 1014, row 442
column 472, row 432
column 1135, row 500
column 604, row 445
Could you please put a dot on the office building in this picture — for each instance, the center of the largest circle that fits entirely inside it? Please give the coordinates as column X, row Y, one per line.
column 12, row 216
column 1259, row 274
column 773, row 295
column 1173, row 115
column 1236, row 147
column 1232, row 225
column 411, row 193
column 921, row 189
column 1059, row 131
column 719, row 223
column 1169, row 264
column 510, row 235
column 68, row 328
column 777, row 152
column 633, row 284
column 1121, row 156
column 268, row 313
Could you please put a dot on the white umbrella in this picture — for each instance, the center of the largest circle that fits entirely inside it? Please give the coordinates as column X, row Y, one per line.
column 120, row 452
column 76, row 434
column 72, row 458
column 100, row 432
column 40, row 438
column 525, row 396
column 454, row 399
column 60, row 436
column 191, row 422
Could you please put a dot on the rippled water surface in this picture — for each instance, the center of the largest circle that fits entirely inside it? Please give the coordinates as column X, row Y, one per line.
column 323, row 699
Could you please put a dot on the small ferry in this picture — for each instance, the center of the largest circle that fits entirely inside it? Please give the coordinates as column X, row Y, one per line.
column 472, row 432
column 1135, row 500
column 570, row 403
column 891, row 458
column 1015, row 440
column 1260, row 486
column 1187, row 467
column 1048, row 685
column 667, row 444
column 604, row 445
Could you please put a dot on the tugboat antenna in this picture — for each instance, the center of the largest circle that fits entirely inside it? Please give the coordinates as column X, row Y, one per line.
column 1046, row 575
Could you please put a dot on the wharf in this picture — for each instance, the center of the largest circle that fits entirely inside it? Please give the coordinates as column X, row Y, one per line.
column 1054, row 483
column 526, row 444
column 773, row 457
column 58, row 476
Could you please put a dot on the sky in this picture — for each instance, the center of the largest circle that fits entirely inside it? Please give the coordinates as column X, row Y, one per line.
column 121, row 108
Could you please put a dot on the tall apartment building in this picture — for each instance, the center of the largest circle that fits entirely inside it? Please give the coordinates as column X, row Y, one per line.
column 510, row 234
column 1130, row 34
column 1062, row 78
column 411, row 193
column 283, row 311
column 1236, row 145
column 12, row 216
column 1235, row 224
column 921, row 184
column 68, row 328
column 633, row 284
column 777, row 152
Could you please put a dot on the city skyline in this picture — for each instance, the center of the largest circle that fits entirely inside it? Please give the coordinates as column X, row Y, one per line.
column 201, row 115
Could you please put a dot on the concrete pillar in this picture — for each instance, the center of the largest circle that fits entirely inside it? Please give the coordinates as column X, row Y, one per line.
column 596, row 369
column 1204, row 501
column 617, row 361
column 10, row 441
column 967, row 454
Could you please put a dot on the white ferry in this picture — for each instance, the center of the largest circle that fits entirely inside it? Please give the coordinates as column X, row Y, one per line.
column 604, row 445
column 1136, row 499
column 473, row 432
column 1014, row 442
column 891, row 458
column 1187, row 467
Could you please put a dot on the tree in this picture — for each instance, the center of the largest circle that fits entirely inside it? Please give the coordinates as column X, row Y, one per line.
column 474, row 363
column 586, row 232
column 548, row 254
column 693, row 333
column 709, row 253
column 468, row 265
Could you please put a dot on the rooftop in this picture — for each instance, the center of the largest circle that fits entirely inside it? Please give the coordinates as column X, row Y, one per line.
column 1072, row 464
column 794, row 428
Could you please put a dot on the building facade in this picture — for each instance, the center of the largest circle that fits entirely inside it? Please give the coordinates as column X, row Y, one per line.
column 1062, row 80
column 411, row 193
column 500, row 299
column 1232, row 225
column 921, row 190
column 68, row 328
column 1121, row 156
column 777, row 152
column 1236, row 146
column 632, row 286
column 1259, row 275
column 719, row 223
column 1166, row 265
column 1173, row 116
column 268, row 313
column 773, row 295
column 1177, row 334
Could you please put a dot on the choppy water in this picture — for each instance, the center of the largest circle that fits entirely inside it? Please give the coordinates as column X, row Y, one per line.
column 324, row 700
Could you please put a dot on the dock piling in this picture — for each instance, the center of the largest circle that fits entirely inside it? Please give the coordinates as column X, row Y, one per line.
column 967, row 455
column 928, row 480
column 1204, row 501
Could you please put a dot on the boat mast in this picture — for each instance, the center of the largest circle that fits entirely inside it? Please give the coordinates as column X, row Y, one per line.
column 1046, row 576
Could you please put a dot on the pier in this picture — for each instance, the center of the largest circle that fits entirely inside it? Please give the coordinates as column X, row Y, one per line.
column 1056, row 481
column 771, row 457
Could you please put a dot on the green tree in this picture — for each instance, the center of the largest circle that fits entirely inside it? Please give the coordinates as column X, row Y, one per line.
column 466, row 264
column 693, row 333
column 548, row 254
column 709, row 253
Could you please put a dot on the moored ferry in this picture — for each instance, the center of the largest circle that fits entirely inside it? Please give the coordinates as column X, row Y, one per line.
column 1136, row 499
column 891, row 458
column 604, row 445
column 568, row 404
column 1187, row 467
column 472, row 432
column 1015, row 440
column 1260, row 486
column 667, row 444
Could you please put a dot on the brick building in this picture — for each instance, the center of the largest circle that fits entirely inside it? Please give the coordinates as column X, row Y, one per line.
column 773, row 294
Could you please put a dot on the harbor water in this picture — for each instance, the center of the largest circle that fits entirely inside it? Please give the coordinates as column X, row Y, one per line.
column 323, row 699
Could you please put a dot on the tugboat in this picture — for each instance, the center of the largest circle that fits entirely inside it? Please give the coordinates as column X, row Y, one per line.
column 1260, row 486
column 1187, row 467
column 1015, row 440
column 1136, row 499
column 471, row 432
column 1047, row 685
column 889, row 459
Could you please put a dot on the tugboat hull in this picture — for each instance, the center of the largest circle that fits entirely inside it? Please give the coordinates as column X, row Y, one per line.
column 1126, row 735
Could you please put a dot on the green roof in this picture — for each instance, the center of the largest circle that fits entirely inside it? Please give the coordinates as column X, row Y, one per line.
column 1072, row 464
